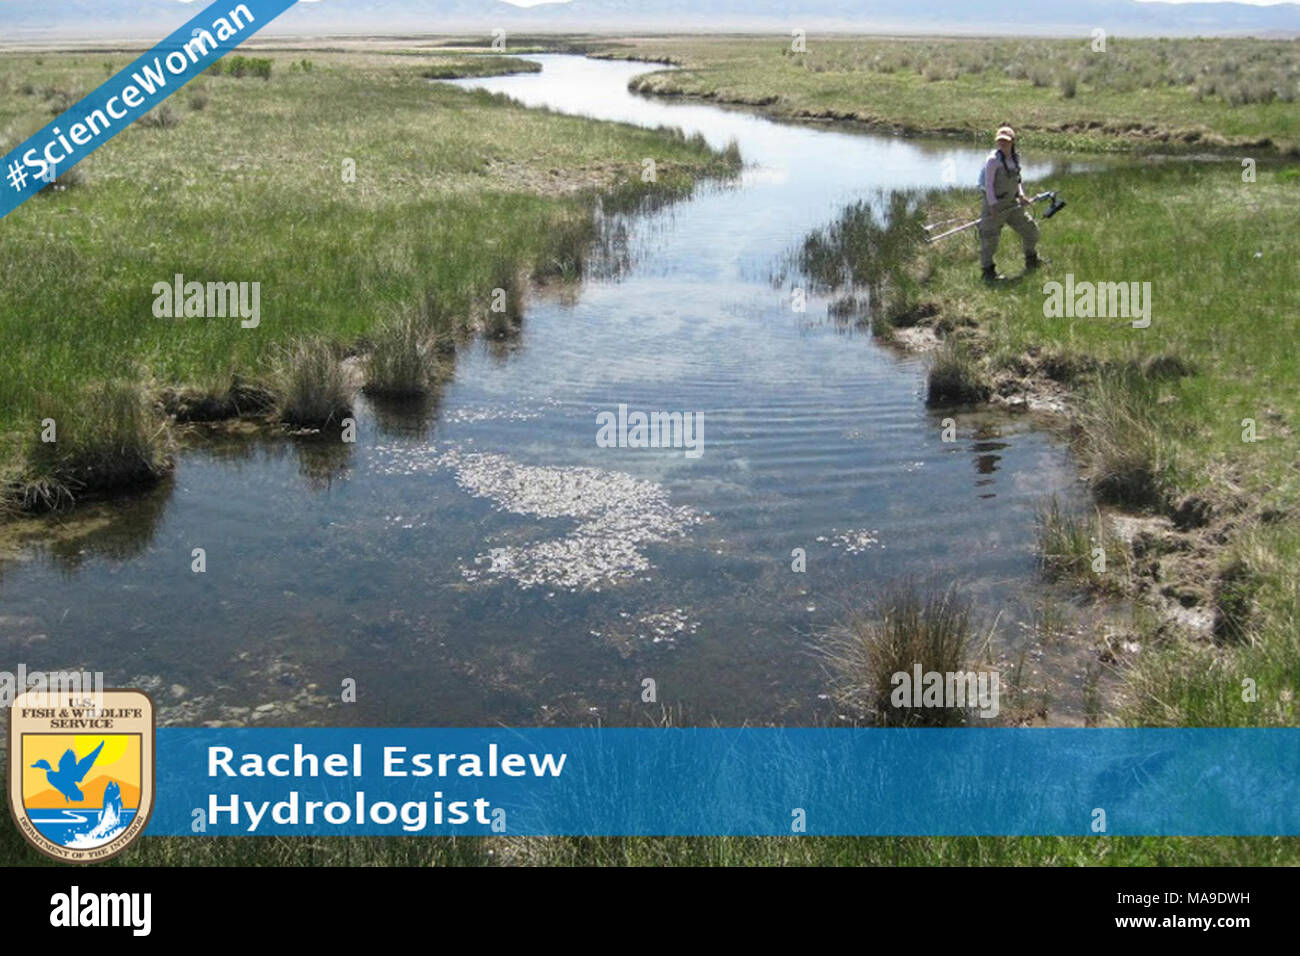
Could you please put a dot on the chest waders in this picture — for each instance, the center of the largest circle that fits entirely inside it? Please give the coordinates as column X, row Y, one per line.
column 1006, row 212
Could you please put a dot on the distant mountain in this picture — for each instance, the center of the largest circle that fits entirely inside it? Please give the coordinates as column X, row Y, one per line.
column 116, row 19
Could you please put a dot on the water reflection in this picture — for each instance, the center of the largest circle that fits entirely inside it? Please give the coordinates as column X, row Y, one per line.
column 118, row 529
column 411, row 417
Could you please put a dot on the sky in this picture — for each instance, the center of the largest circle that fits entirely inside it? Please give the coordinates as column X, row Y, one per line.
column 101, row 19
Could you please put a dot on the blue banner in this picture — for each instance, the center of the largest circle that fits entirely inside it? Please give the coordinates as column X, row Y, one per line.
column 128, row 96
column 740, row 782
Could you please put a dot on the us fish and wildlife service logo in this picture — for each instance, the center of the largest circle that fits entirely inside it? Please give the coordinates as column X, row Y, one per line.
column 81, row 771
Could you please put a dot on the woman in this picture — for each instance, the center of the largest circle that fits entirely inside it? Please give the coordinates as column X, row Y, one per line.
column 1005, row 204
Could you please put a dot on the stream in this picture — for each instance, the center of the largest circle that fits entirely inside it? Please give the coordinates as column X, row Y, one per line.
column 484, row 560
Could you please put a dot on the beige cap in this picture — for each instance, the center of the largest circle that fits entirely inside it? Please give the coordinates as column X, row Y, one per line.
column 1007, row 133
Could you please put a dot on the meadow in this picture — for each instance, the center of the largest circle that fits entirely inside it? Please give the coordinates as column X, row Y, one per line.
column 1137, row 92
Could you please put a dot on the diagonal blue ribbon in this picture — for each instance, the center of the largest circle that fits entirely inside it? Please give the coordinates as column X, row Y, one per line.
column 156, row 75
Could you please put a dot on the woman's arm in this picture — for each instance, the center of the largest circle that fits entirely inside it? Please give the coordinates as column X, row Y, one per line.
column 990, row 174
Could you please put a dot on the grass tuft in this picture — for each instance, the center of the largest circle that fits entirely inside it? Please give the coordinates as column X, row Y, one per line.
column 1125, row 444
column 902, row 629
column 956, row 377
column 315, row 391
column 1235, row 591
column 403, row 361
column 161, row 117
column 110, row 437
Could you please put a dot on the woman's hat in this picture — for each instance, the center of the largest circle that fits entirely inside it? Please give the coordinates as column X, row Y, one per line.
column 1007, row 133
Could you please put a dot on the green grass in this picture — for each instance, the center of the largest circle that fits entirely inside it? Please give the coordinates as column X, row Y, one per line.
column 1079, row 549
column 1123, row 439
column 110, row 437
column 408, row 354
column 899, row 851
column 956, row 377
column 1202, row 92
column 446, row 67
column 451, row 189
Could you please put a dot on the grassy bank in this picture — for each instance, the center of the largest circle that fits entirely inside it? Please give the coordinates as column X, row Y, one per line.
column 1197, row 92
column 448, row 67
column 1182, row 410
column 350, row 187
column 1163, row 416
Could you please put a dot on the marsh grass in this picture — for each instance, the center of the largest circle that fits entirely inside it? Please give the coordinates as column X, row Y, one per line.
column 565, row 256
column 111, row 436
column 1125, row 443
column 902, row 629
column 1065, row 541
column 314, row 387
column 453, row 67
column 956, row 376
column 1067, row 544
column 871, row 255
column 403, row 360
column 731, row 155
column 503, row 313
column 869, row 245
column 160, row 117
column 1183, row 91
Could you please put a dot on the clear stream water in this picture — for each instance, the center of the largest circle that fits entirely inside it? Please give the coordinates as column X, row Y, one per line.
column 482, row 560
